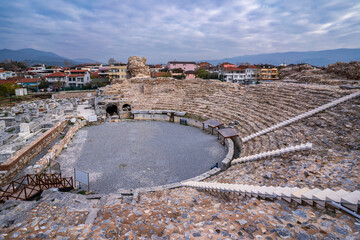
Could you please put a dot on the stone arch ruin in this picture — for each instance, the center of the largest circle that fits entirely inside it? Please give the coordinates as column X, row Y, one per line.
column 112, row 109
column 126, row 107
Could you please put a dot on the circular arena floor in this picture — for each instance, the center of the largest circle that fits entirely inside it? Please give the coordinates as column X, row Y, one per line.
column 140, row 154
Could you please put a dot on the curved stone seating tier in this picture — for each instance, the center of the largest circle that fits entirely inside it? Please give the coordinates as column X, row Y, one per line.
column 317, row 197
column 301, row 116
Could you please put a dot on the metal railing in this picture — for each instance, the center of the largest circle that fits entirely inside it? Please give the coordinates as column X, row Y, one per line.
column 30, row 185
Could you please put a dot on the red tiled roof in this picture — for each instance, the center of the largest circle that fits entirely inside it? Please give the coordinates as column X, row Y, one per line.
column 160, row 74
column 76, row 75
column 252, row 67
column 248, row 66
column 29, row 80
column 78, row 71
column 11, row 80
column 234, row 68
column 57, row 74
column 1, row 70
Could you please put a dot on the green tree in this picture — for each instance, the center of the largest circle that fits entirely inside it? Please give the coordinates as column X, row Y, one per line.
column 8, row 89
column 43, row 84
column 58, row 84
column 182, row 76
column 202, row 73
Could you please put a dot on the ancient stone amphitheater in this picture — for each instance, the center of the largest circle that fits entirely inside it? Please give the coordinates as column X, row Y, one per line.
column 289, row 194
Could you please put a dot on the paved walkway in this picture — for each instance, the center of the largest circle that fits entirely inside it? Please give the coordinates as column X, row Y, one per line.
column 140, row 154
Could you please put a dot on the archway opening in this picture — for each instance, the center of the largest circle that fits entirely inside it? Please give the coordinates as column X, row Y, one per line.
column 126, row 107
column 112, row 109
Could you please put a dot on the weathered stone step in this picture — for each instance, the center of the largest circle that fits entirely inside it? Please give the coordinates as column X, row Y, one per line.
column 321, row 198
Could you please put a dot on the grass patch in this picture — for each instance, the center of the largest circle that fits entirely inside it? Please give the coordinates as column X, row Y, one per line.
column 123, row 165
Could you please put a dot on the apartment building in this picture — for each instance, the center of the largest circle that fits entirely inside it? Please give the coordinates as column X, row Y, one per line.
column 185, row 66
column 269, row 73
column 118, row 71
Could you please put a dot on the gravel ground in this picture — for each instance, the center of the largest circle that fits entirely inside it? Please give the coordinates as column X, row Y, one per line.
column 140, row 154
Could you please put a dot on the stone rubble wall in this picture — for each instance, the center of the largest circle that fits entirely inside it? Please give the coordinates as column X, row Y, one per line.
column 334, row 74
column 350, row 70
column 14, row 164
column 55, row 150
column 74, row 94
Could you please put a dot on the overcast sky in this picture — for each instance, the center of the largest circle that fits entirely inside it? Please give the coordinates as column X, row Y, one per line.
column 163, row 30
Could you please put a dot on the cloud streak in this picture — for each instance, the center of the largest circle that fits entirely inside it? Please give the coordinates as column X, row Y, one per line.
column 182, row 30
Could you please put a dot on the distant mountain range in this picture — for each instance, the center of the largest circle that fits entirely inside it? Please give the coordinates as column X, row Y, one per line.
column 318, row 58
column 33, row 56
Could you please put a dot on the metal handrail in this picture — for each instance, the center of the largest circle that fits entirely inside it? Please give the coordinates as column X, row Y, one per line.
column 34, row 182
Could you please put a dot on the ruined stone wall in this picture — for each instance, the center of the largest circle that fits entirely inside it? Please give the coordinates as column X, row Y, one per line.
column 15, row 163
column 55, row 150
column 74, row 94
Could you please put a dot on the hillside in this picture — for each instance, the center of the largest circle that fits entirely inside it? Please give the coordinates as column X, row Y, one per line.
column 33, row 56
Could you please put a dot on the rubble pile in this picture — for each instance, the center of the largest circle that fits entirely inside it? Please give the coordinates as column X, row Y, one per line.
column 335, row 74
column 171, row 214
column 349, row 70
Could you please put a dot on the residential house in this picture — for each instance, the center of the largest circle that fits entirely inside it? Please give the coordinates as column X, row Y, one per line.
column 29, row 82
column 189, row 74
column 58, row 77
column 103, row 72
column 177, row 72
column 186, row 66
column 6, row 74
column 78, row 78
column 251, row 72
column 204, row 65
column 41, row 71
column 268, row 72
column 118, row 71
column 91, row 67
column 10, row 80
column 2, row 74
column 242, row 74
column 226, row 65
column 234, row 74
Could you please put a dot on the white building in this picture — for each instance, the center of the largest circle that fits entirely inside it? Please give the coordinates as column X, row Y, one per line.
column 72, row 78
column 233, row 74
column 241, row 74
column 56, row 77
column 78, row 78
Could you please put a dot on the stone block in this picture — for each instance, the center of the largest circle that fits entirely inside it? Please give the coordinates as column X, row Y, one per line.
column 351, row 201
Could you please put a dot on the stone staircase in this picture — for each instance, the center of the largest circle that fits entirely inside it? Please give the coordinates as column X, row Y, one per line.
column 315, row 197
column 259, row 156
column 301, row 116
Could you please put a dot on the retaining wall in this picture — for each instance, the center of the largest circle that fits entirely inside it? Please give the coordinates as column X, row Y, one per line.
column 55, row 150
column 74, row 94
